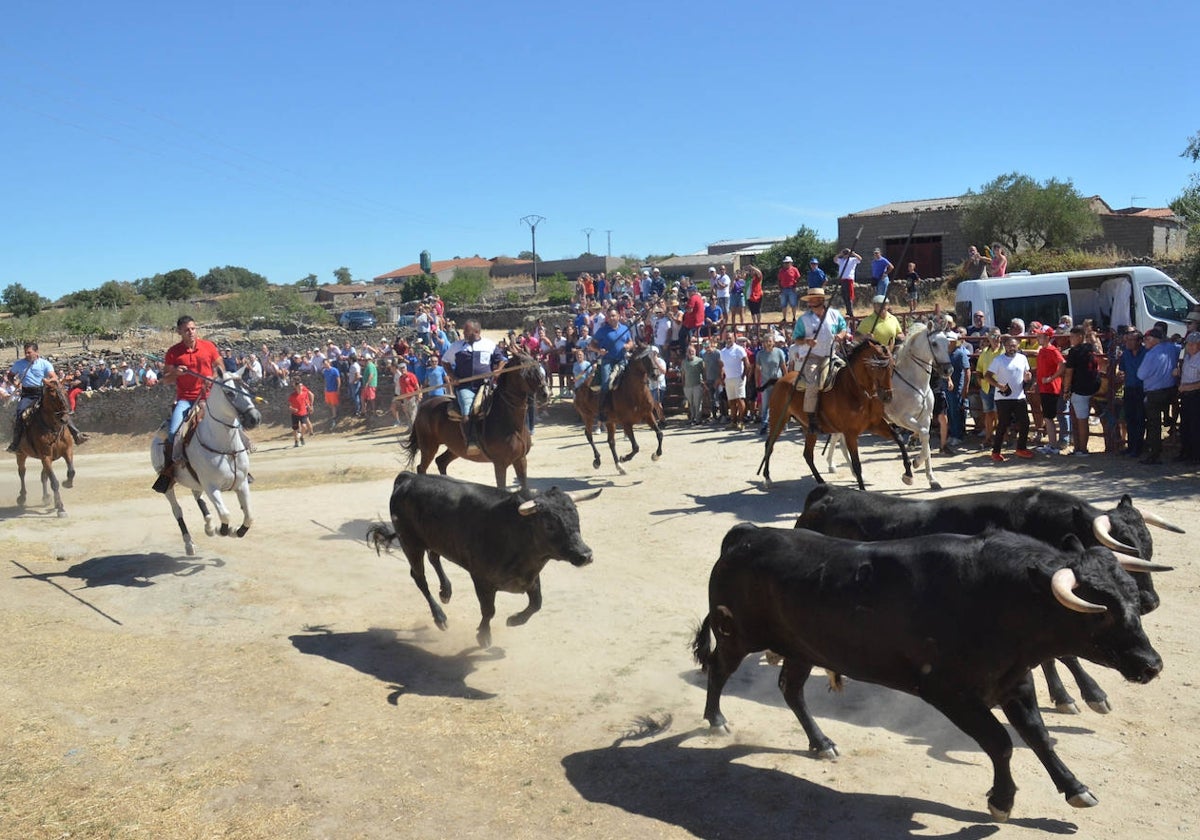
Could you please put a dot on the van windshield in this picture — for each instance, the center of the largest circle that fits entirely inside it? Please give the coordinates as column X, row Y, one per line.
column 1165, row 303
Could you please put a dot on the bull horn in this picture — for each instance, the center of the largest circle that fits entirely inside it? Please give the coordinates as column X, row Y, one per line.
column 1155, row 519
column 1102, row 528
column 1062, row 584
column 584, row 495
column 528, row 508
column 1136, row 564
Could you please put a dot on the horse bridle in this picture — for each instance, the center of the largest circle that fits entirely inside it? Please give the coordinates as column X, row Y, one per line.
column 928, row 370
column 874, row 362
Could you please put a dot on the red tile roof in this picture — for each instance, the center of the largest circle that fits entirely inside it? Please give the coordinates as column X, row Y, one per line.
column 414, row 269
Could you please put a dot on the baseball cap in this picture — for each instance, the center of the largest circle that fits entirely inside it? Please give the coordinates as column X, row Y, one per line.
column 879, row 299
column 1047, row 330
column 1193, row 337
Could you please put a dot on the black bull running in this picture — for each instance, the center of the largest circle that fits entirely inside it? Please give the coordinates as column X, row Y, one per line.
column 957, row 622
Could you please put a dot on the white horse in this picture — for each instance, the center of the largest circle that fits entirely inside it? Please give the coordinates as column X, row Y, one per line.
column 912, row 397
column 218, row 455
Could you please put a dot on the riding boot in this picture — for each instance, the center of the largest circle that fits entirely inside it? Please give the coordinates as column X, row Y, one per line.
column 79, row 436
column 18, row 433
column 472, row 432
column 813, row 426
column 167, row 475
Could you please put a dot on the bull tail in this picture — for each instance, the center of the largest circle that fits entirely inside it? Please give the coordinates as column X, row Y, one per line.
column 381, row 537
column 702, row 644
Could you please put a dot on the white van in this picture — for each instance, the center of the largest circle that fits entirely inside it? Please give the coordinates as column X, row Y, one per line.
column 1150, row 295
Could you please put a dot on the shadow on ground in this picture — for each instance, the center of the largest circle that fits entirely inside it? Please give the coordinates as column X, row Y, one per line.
column 404, row 666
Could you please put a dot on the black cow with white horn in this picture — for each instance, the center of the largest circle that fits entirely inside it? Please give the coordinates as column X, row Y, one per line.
column 503, row 539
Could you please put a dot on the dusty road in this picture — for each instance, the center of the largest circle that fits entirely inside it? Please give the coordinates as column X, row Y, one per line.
column 292, row 684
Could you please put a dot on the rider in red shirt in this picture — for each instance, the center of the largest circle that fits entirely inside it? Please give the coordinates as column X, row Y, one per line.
column 191, row 354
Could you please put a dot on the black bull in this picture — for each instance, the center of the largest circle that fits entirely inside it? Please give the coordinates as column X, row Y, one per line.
column 957, row 622
column 503, row 539
column 1046, row 515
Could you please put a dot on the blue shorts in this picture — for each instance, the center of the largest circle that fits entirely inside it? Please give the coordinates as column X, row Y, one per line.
column 988, row 399
column 789, row 297
column 737, row 301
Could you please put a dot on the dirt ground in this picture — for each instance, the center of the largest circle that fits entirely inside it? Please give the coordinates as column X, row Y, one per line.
column 292, row 683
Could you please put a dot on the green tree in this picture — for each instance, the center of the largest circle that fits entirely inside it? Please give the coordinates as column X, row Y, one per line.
column 802, row 246
column 245, row 308
column 308, row 282
column 342, row 275
column 287, row 303
column 231, row 278
column 528, row 255
column 416, row 288
column 114, row 294
column 83, row 323
column 1187, row 207
column 1018, row 212
column 22, row 302
column 467, row 286
column 179, row 284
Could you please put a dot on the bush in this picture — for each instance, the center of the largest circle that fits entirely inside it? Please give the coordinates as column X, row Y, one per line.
column 468, row 286
column 1048, row 261
column 559, row 291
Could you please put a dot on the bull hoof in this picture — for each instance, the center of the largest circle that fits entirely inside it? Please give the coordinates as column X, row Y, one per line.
column 772, row 657
column 828, row 753
column 224, row 531
column 1068, row 708
column 935, row 485
column 441, row 623
column 1100, row 707
column 241, row 532
column 1083, row 799
column 907, row 479
column 998, row 814
column 718, row 724
column 484, row 638
column 444, row 596
column 596, row 464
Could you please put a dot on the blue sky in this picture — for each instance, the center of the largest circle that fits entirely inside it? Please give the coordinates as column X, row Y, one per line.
column 295, row 138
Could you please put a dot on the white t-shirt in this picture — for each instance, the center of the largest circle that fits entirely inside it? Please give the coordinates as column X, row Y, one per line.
column 733, row 359
column 846, row 272
column 1010, row 371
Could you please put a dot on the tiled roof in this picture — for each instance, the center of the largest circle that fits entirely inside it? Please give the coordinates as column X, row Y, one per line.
column 414, row 269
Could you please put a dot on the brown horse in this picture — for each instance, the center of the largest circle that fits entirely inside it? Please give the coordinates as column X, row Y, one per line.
column 503, row 434
column 852, row 406
column 47, row 438
column 630, row 402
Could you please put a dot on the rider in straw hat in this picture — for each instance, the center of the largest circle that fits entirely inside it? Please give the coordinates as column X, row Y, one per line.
column 813, row 337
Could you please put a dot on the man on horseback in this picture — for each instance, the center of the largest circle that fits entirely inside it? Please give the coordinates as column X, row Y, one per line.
column 610, row 341
column 29, row 373
column 815, row 330
column 191, row 355
column 467, row 362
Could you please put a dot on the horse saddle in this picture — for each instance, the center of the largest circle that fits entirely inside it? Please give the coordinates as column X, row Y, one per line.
column 835, row 366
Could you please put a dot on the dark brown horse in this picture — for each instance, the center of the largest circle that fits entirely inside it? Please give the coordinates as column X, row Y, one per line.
column 503, row 434
column 630, row 402
column 47, row 438
column 852, row 406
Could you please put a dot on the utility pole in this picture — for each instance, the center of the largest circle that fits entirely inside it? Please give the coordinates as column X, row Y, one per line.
column 533, row 221
column 588, row 233
column 609, row 232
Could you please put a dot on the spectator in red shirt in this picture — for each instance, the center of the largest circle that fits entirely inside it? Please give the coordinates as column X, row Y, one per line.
column 789, row 293
column 405, row 400
column 1050, row 367
column 300, row 401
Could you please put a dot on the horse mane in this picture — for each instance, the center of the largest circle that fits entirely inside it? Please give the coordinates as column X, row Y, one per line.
column 857, row 347
column 905, row 350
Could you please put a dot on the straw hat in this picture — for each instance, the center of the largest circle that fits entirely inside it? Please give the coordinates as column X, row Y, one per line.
column 815, row 295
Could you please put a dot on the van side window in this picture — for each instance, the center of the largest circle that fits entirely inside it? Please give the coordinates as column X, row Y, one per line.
column 1165, row 303
column 1045, row 308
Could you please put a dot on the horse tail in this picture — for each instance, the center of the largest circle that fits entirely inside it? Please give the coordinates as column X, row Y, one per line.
column 381, row 537
column 412, row 446
column 702, row 644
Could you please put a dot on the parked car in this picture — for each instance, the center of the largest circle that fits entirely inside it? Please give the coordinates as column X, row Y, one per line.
column 357, row 319
column 406, row 320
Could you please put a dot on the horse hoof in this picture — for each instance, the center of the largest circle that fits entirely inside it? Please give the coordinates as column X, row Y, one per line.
column 241, row 532
column 621, row 470
column 935, row 485
column 209, row 530
column 224, row 529
column 62, row 514
column 907, row 479
column 189, row 550
column 655, row 457
column 69, row 483
column 596, row 464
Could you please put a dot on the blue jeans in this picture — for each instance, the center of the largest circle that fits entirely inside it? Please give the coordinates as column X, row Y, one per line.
column 177, row 414
column 956, row 415
column 881, row 285
column 466, row 399
column 1135, row 419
